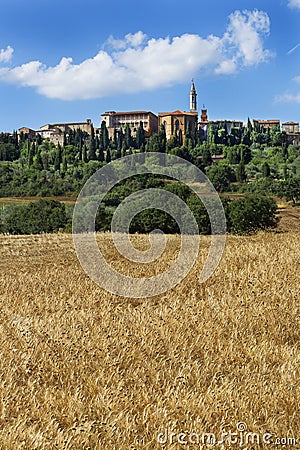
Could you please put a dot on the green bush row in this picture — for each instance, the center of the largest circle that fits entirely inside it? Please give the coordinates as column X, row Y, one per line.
column 245, row 215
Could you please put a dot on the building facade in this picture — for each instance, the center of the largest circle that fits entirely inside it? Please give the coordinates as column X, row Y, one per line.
column 27, row 132
column 266, row 123
column 178, row 121
column 290, row 127
column 119, row 120
column 292, row 131
column 227, row 124
column 66, row 127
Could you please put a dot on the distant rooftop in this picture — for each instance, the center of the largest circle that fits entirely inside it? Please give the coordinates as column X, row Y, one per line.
column 177, row 113
column 126, row 113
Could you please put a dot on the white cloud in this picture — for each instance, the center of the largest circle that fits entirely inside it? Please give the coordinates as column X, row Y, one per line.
column 244, row 33
column 6, row 54
column 132, row 40
column 294, row 3
column 138, row 63
column 226, row 67
column 287, row 97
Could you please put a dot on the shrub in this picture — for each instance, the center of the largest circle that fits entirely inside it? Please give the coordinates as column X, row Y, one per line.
column 221, row 176
column 250, row 214
column 44, row 216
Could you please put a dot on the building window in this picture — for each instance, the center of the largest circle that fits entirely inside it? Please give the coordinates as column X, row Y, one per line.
column 177, row 125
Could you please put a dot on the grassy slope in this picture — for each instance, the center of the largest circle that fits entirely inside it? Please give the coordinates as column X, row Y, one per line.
column 81, row 368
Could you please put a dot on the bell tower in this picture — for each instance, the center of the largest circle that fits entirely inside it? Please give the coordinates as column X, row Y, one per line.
column 193, row 98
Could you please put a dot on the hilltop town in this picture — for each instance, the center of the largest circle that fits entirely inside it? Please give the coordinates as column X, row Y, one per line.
column 257, row 157
column 174, row 122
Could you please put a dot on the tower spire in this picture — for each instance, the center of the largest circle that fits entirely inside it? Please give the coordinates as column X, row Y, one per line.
column 193, row 98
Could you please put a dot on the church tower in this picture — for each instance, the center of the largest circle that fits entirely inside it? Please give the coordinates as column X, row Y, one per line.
column 193, row 98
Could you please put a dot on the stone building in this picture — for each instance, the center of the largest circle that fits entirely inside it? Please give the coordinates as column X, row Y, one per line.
column 27, row 132
column 55, row 132
column 290, row 127
column 176, row 121
column 267, row 123
column 65, row 127
column 227, row 124
column 55, row 135
column 117, row 120
column 292, row 131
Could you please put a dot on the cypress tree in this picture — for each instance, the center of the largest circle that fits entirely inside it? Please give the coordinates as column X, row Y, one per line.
column 162, row 139
column 101, row 154
column 241, row 173
column 128, row 138
column 140, row 136
column 58, row 157
column 38, row 161
column 115, row 138
column 64, row 165
column 108, row 156
column 30, row 156
column 92, row 146
column 104, row 135
column 180, row 140
column 120, row 139
column 266, row 171
column 84, row 154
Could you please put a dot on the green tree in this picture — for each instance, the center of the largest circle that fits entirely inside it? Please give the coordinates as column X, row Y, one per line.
column 45, row 159
column 84, row 154
column 58, row 157
column 140, row 136
column 206, row 157
column 92, row 145
column 200, row 213
column 265, row 170
column 44, row 216
column 64, row 165
column 250, row 214
column 31, row 153
column 221, row 176
column 128, row 137
column 38, row 163
column 290, row 189
column 120, row 140
column 181, row 152
column 245, row 153
column 108, row 156
column 104, row 137
column 241, row 175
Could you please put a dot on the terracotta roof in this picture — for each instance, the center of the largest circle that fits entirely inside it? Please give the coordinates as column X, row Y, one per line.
column 267, row 121
column 63, row 124
column 26, row 128
column 178, row 113
column 113, row 113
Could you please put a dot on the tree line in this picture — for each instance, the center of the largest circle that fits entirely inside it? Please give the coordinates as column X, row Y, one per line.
column 252, row 159
column 244, row 215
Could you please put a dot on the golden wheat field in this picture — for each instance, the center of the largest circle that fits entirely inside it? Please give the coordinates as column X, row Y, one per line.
column 84, row 369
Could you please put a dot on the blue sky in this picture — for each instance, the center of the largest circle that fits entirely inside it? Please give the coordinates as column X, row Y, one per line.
column 69, row 60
